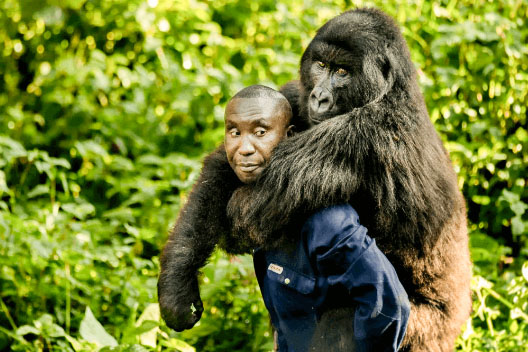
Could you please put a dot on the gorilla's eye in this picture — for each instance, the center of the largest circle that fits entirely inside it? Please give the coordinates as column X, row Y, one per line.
column 342, row 72
column 321, row 64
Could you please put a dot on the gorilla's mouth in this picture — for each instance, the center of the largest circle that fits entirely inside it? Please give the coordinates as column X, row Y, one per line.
column 316, row 121
column 316, row 118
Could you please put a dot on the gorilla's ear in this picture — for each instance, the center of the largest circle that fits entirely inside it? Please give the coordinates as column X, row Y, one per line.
column 386, row 67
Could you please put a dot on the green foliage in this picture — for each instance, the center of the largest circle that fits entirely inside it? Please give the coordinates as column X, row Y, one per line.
column 107, row 107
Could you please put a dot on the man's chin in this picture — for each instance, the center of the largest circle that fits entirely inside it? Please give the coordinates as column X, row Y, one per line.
column 248, row 177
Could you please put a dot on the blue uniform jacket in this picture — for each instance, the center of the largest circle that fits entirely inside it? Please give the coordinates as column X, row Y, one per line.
column 335, row 264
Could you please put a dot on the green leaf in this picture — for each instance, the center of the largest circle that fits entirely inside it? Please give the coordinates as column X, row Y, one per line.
column 509, row 197
column 38, row 191
column 75, row 344
column 3, row 183
column 80, row 211
column 149, row 321
column 478, row 199
column 179, row 345
column 518, row 226
column 525, row 271
column 27, row 329
column 92, row 331
column 16, row 149
column 519, row 208
column 60, row 162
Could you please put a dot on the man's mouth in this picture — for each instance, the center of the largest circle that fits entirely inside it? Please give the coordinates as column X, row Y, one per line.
column 248, row 167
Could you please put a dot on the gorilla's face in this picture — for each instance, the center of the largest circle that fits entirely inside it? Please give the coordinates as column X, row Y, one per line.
column 344, row 67
column 330, row 83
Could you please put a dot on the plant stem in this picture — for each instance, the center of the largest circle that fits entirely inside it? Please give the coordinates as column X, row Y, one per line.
column 6, row 312
column 14, row 336
column 507, row 303
column 68, row 297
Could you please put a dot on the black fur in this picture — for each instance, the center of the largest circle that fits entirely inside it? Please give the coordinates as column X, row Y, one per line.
column 292, row 91
column 376, row 149
column 201, row 225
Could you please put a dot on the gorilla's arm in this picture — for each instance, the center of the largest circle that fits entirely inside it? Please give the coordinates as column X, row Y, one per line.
column 200, row 226
column 308, row 171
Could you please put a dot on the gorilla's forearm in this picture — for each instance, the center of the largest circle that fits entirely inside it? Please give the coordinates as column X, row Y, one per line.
column 201, row 225
column 422, row 328
column 305, row 173
column 178, row 291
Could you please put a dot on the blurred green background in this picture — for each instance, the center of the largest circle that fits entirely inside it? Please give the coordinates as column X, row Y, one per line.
column 108, row 107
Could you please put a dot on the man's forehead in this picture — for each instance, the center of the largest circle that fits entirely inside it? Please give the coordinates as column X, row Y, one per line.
column 261, row 102
column 260, row 107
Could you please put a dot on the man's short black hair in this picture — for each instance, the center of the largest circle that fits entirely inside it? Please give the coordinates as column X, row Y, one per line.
column 260, row 91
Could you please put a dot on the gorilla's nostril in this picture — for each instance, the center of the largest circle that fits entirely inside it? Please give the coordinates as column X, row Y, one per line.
column 320, row 100
column 314, row 103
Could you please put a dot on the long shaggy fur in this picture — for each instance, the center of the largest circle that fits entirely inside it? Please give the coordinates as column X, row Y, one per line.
column 382, row 155
column 201, row 225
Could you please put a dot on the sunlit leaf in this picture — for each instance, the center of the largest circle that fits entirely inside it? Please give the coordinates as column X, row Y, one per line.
column 92, row 331
column 152, row 314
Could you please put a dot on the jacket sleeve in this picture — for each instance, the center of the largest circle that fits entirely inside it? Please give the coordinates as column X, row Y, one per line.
column 347, row 257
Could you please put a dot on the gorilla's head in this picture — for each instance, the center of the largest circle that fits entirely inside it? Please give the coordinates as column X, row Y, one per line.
column 355, row 59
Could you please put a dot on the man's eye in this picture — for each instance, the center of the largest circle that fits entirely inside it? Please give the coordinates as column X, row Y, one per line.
column 260, row 132
column 342, row 72
column 234, row 133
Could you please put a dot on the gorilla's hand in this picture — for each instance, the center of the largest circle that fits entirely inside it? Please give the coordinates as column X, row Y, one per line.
column 182, row 309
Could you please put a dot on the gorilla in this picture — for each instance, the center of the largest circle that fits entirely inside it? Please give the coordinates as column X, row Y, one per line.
column 371, row 144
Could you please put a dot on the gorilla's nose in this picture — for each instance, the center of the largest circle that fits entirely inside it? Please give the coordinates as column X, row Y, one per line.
column 321, row 100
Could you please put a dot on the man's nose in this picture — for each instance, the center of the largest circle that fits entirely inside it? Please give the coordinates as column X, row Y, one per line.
column 247, row 147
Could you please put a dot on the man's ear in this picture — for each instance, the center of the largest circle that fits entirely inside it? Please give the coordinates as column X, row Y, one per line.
column 290, row 130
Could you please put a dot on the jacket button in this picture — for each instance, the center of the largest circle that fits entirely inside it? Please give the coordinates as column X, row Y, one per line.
column 286, row 281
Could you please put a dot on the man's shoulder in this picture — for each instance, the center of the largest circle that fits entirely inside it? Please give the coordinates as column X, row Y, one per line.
column 331, row 221
column 335, row 215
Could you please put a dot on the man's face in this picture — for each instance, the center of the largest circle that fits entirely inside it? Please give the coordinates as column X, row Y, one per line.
column 253, row 127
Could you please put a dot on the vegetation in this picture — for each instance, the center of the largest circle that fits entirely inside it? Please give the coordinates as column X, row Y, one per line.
column 107, row 108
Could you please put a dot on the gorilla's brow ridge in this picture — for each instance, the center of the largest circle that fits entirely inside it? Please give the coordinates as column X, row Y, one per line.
column 336, row 54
